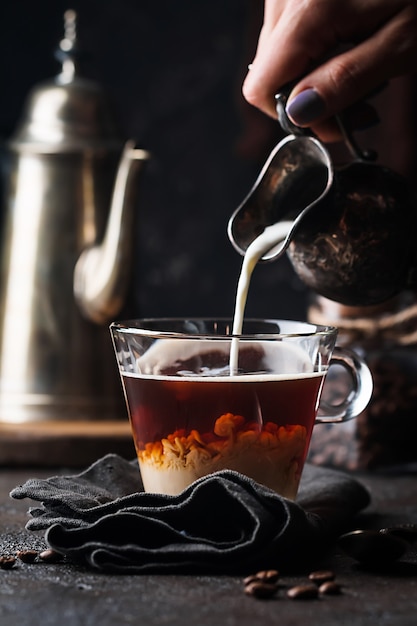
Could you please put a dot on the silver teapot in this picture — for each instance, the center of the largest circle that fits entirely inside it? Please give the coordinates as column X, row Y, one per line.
column 67, row 250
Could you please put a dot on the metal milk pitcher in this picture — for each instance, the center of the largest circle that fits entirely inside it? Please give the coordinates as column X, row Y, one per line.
column 66, row 252
column 352, row 227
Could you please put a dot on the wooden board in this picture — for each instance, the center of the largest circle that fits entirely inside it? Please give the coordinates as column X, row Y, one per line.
column 63, row 443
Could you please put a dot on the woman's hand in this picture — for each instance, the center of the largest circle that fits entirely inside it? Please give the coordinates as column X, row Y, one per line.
column 340, row 50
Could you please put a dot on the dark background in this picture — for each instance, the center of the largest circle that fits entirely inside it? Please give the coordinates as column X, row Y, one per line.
column 173, row 72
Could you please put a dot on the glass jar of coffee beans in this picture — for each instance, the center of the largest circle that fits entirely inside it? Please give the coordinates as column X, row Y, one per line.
column 384, row 435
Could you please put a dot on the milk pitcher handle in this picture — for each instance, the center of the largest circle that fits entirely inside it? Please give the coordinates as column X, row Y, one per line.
column 357, row 396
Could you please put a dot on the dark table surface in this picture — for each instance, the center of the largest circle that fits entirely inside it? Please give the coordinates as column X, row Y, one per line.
column 66, row 595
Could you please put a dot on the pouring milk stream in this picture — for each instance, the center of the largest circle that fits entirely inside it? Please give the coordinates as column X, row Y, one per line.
column 271, row 237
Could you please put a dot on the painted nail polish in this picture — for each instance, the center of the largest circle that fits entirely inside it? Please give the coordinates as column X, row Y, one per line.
column 306, row 107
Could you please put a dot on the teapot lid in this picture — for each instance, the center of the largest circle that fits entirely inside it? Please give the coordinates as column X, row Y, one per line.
column 67, row 113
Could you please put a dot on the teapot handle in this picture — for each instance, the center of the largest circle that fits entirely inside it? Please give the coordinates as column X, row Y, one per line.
column 357, row 397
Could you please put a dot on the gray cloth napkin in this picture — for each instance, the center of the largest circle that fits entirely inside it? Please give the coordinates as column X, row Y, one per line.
column 222, row 523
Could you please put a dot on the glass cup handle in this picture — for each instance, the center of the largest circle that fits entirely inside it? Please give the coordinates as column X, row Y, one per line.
column 358, row 396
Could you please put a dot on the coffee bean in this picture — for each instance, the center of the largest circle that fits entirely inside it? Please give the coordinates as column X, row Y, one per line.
column 7, row 562
column 303, row 592
column 321, row 576
column 27, row 556
column 330, row 588
column 50, row 556
column 269, row 575
column 260, row 589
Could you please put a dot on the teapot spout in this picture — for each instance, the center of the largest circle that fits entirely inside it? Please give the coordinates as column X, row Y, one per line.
column 102, row 272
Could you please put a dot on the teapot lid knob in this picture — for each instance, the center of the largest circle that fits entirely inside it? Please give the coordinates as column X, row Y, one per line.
column 67, row 113
column 67, row 52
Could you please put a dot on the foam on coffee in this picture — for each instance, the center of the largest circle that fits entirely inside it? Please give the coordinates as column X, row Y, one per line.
column 169, row 357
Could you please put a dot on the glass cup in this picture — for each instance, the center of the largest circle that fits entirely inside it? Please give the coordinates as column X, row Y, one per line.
column 201, row 400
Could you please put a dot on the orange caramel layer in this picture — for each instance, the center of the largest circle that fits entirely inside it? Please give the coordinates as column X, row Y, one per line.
column 230, row 436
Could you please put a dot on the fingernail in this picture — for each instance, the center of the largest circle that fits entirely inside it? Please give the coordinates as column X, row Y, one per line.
column 306, row 107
